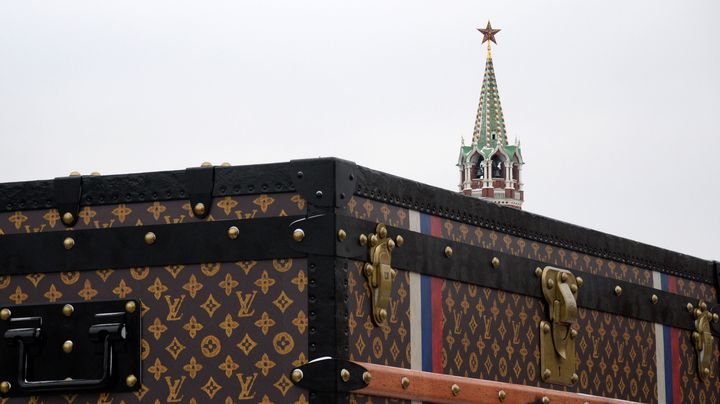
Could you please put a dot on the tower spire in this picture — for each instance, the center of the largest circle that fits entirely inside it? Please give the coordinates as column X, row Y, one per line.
column 489, row 122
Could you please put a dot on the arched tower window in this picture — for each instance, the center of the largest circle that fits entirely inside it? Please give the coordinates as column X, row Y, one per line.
column 478, row 167
column 498, row 166
column 516, row 170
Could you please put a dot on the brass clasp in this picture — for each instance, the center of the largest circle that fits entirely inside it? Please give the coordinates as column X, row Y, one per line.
column 557, row 336
column 703, row 339
column 379, row 273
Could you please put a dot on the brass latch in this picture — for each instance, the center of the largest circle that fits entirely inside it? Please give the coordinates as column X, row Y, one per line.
column 703, row 339
column 379, row 273
column 557, row 336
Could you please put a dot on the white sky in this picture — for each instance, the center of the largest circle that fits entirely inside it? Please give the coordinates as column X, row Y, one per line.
column 616, row 102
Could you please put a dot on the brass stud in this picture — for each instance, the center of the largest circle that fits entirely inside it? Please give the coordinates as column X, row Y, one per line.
column 618, row 290
column 5, row 387
column 573, row 288
column 363, row 240
column 690, row 307
column 382, row 231
column 382, row 315
column 5, row 314
column 579, row 281
column 368, row 270
column 225, row 164
column 495, row 262
column 448, row 251
column 546, row 400
column 716, row 317
column 367, row 377
column 574, row 378
column 296, row 375
column 405, row 383
column 399, row 240
column 342, row 235
column 706, row 372
column 150, row 238
column 391, row 245
column 68, row 243
column 564, row 276
column 345, row 375
column 698, row 313
column 702, row 305
column 199, row 209
column 546, row 374
column 545, row 327
column 538, row 272
column 206, row 164
column 130, row 306
column 74, row 174
column 95, row 173
column 455, row 389
column 654, row 299
column 67, row 346
column 131, row 381
column 233, row 232
column 68, row 310
column 709, row 315
column 374, row 240
column 502, row 395
column 68, row 218
column 573, row 333
column 298, row 235
column 550, row 283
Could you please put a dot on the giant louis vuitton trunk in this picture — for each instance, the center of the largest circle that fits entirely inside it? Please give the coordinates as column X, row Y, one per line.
column 323, row 281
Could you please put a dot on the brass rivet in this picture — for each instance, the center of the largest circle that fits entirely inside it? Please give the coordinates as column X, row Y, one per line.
column 74, row 174
column 342, row 235
column 150, row 238
column 68, row 218
column 391, row 245
column 573, row 288
column 382, row 315
column 374, row 240
column 618, row 290
column 345, row 375
column 381, row 230
column 199, row 209
column 296, row 375
column 298, row 235
column 690, row 307
column 68, row 310
column 574, row 378
column 130, row 306
column 550, row 283
column 564, row 276
column 399, row 240
column 5, row 387
column 131, row 380
column 455, row 389
column 502, row 395
column 702, row 305
column 68, row 243
column 495, row 262
column 545, row 327
column 538, row 272
column 405, row 382
column 5, row 314
column 225, row 164
column 706, row 372
column 546, row 400
column 573, row 333
column 362, row 240
column 367, row 377
column 579, row 281
column 716, row 317
column 369, row 269
column 233, row 232
column 95, row 173
column 708, row 315
column 546, row 374
column 67, row 346
column 698, row 313
column 448, row 251
column 654, row 299
column 206, row 164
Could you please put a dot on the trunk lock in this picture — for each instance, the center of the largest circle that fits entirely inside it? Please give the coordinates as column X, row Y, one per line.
column 379, row 273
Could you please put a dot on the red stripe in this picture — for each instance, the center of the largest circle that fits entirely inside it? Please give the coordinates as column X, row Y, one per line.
column 437, row 343
column 435, row 226
column 675, row 349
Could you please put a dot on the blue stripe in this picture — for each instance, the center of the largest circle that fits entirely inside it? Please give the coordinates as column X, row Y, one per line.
column 426, row 317
column 425, row 224
column 668, row 350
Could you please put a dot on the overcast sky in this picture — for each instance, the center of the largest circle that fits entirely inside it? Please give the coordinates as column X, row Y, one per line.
column 616, row 103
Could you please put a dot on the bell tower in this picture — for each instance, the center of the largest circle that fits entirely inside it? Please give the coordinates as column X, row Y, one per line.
column 490, row 167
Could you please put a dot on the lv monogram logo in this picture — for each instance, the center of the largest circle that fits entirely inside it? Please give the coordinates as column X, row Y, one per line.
column 174, row 304
column 174, row 386
column 516, row 332
column 246, row 301
column 457, row 316
column 246, row 386
column 488, row 327
column 360, row 300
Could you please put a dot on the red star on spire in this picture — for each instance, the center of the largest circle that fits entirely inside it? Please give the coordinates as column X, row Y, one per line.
column 488, row 33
